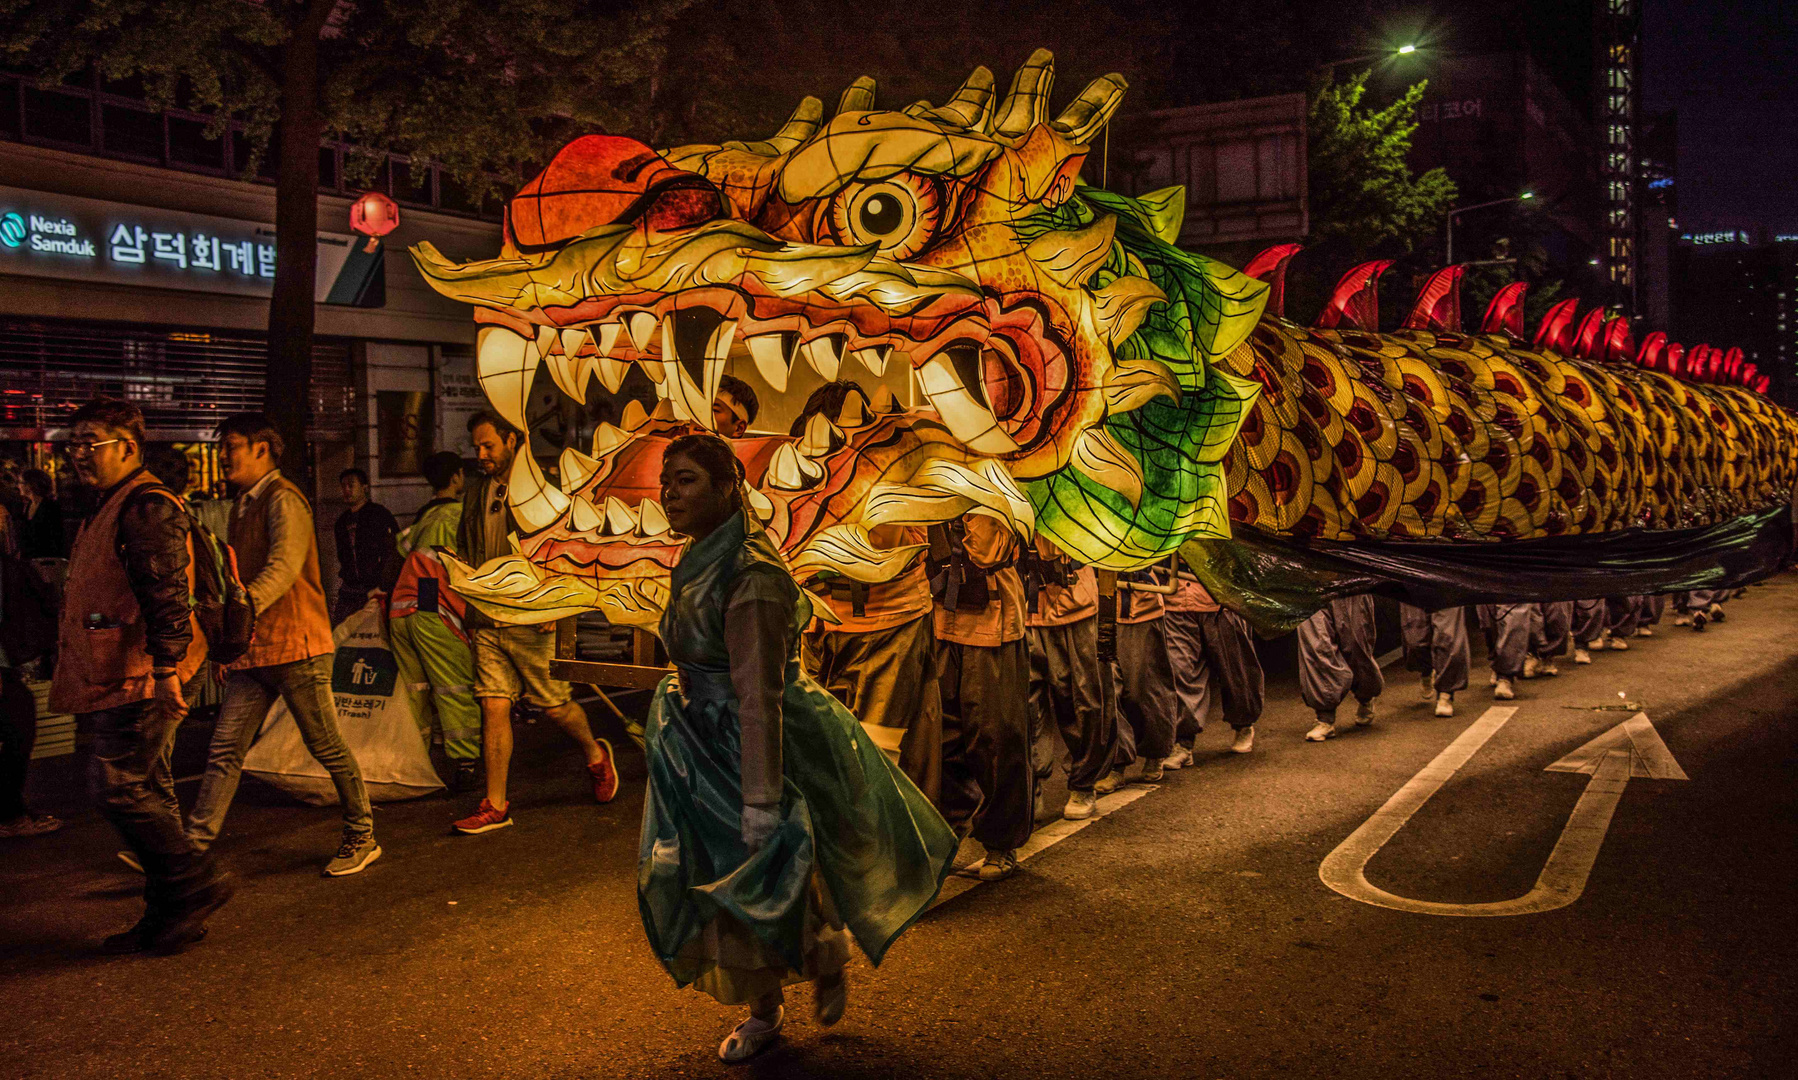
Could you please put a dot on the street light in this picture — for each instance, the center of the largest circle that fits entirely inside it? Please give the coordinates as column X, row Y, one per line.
column 1452, row 214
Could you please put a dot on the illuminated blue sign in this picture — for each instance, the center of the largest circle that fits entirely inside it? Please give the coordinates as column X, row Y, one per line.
column 62, row 236
column 1657, row 185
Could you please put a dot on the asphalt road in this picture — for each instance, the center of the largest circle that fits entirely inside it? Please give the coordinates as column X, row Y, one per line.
column 1186, row 934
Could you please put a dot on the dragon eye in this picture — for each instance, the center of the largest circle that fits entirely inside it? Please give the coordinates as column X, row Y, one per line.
column 900, row 214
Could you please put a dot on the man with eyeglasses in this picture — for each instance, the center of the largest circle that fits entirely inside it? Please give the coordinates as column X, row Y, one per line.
column 511, row 662
column 292, row 653
column 127, row 645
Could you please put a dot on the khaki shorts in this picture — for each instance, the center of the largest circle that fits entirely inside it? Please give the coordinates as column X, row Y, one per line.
column 513, row 661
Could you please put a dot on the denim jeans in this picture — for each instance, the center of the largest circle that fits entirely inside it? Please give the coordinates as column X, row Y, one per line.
column 306, row 687
column 129, row 776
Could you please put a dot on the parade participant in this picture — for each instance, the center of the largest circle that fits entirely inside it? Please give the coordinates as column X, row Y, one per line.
column 1648, row 613
column 1062, row 625
column 1147, row 710
column 879, row 657
column 27, row 633
column 40, row 524
column 1436, row 648
column 127, row 643
column 772, row 832
column 735, row 407
column 1507, row 630
column 1551, row 628
column 983, row 678
column 1622, row 616
column 364, row 535
column 512, row 661
column 1590, row 619
column 1697, row 608
column 1336, row 658
column 426, row 624
column 1207, row 641
column 291, row 654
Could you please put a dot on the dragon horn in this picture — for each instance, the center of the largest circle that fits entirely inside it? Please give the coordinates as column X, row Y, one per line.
column 802, row 125
column 1089, row 112
column 858, row 98
column 1026, row 104
column 972, row 106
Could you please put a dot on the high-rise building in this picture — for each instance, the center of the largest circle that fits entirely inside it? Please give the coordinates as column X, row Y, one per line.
column 1734, row 288
column 1620, row 46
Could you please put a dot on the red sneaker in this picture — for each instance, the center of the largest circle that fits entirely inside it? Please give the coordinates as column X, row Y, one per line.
column 485, row 819
column 605, row 774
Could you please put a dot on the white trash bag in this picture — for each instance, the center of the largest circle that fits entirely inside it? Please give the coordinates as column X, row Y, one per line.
column 373, row 714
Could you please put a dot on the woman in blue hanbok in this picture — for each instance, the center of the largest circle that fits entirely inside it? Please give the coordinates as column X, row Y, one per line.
column 774, row 830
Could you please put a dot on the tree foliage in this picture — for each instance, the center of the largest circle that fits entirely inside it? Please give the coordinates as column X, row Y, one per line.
column 1362, row 192
column 477, row 86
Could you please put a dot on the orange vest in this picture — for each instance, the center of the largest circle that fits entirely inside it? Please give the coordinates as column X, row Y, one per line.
column 109, row 666
column 297, row 625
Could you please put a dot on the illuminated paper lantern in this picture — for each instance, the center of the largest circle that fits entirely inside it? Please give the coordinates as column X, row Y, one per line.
column 374, row 214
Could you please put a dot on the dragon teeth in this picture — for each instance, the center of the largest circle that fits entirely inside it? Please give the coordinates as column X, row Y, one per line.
column 642, row 327
column 874, row 358
column 576, row 469
column 652, row 520
column 690, row 402
column 820, row 436
column 505, row 364
column 582, row 517
column 606, row 338
column 963, row 414
column 608, row 437
column 535, row 504
column 769, row 351
column 632, row 418
column 611, row 373
column 788, row 470
column 619, row 519
column 825, row 354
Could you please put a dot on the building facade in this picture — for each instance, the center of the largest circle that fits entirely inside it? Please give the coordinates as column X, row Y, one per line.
column 137, row 260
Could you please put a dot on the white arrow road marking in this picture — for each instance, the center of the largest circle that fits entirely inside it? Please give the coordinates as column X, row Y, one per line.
column 1632, row 748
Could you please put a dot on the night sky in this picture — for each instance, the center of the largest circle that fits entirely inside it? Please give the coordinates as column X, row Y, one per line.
column 1728, row 67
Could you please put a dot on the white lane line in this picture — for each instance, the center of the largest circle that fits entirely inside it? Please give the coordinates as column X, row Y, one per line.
column 1630, row 749
column 1048, row 836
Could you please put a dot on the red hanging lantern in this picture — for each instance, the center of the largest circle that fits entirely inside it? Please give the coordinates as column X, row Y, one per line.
column 374, row 214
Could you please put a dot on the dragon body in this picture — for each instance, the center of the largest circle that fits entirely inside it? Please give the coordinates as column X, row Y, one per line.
column 1075, row 373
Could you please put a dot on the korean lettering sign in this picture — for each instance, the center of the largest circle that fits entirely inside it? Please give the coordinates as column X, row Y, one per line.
column 76, row 239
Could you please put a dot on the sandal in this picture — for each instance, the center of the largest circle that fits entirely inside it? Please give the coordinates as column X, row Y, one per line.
column 750, row 1038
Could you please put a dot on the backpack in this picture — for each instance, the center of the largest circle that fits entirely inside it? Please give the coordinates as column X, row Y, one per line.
column 221, row 604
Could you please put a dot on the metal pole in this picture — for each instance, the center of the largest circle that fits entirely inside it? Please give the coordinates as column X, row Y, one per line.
column 1450, row 255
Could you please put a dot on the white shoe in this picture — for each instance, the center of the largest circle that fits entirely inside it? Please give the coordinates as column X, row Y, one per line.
column 1502, row 691
column 1320, row 731
column 1530, row 666
column 1081, row 805
column 1716, row 612
column 1596, row 644
column 1682, row 619
column 1179, row 759
column 1581, row 656
column 1429, row 687
column 1643, row 631
column 1364, row 714
column 1151, row 772
column 751, row 1038
column 1245, row 740
column 1547, row 667
column 1445, row 704
column 1619, row 645
column 1109, row 783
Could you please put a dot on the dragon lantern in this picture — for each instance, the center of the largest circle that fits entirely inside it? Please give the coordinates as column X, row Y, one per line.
column 1071, row 372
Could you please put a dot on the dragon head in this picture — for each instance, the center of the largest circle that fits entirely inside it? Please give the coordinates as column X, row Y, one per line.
column 953, row 242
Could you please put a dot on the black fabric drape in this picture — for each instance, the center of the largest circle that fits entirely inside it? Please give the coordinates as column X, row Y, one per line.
column 1278, row 582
